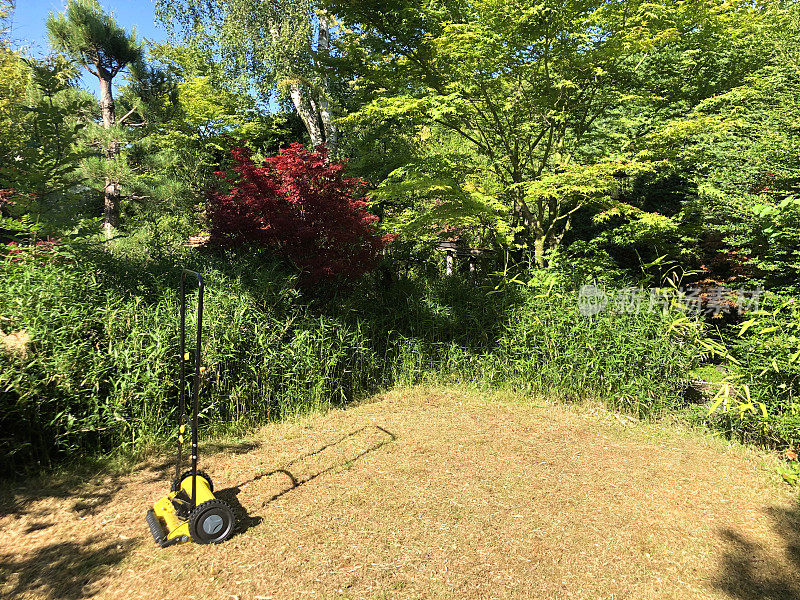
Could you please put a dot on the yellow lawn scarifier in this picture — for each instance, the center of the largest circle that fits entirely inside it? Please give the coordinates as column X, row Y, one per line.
column 190, row 511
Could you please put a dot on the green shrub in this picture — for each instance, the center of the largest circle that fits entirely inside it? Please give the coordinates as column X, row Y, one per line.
column 100, row 369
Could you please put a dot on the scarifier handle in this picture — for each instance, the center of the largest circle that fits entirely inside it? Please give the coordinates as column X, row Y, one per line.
column 195, row 382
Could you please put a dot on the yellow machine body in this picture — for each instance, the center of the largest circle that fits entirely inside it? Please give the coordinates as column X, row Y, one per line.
column 174, row 529
column 203, row 489
column 172, row 525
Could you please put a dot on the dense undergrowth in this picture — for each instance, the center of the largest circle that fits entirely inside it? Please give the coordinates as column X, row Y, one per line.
column 758, row 401
column 99, row 371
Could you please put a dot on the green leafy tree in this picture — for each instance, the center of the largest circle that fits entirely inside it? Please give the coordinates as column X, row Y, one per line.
column 753, row 167
column 42, row 116
column 45, row 168
column 732, row 141
column 13, row 85
column 524, row 84
column 189, row 119
column 6, row 12
column 282, row 46
column 94, row 41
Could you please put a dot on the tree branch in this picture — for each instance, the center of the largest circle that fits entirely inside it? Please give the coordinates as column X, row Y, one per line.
column 128, row 114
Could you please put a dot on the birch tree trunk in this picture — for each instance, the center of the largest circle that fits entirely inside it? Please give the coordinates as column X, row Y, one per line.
column 323, row 48
column 308, row 115
column 312, row 105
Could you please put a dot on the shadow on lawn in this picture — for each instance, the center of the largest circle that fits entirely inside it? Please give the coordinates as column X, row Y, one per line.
column 88, row 487
column 750, row 571
column 239, row 447
column 299, row 474
column 67, row 570
column 63, row 571
column 86, row 497
column 165, row 469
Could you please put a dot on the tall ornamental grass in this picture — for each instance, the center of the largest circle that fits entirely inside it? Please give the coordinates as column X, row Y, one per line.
column 634, row 361
column 99, row 372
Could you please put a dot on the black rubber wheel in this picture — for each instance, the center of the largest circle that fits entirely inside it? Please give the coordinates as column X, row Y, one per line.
column 176, row 485
column 212, row 522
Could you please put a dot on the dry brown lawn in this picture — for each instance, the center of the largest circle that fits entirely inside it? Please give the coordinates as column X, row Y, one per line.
column 430, row 494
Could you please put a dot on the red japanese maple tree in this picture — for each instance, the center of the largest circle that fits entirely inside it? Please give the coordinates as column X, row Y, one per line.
column 301, row 205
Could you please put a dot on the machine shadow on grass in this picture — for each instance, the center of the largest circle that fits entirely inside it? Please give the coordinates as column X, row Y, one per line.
column 240, row 447
column 244, row 520
column 297, row 475
column 59, row 571
column 751, row 571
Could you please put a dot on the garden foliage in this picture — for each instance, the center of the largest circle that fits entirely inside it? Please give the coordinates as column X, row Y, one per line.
column 301, row 205
column 634, row 143
column 97, row 372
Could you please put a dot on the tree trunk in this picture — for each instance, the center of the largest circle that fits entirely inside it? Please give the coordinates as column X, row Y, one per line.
column 309, row 117
column 107, row 103
column 538, row 250
column 314, row 108
column 111, row 191
column 323, row 48
column 111, row 196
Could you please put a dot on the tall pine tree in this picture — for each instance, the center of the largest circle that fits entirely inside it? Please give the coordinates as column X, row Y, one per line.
column 93, row 39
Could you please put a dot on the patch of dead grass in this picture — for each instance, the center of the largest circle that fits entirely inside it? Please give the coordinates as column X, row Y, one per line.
column 16, row 342
column 431, row 493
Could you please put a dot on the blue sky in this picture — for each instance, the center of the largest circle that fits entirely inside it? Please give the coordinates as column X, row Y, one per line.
column 28, row 26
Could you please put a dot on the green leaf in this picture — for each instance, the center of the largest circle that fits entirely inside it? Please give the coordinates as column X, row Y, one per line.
column 746, row 325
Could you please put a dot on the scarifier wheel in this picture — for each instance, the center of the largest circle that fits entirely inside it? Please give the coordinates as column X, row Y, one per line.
column 212, row 522
column 176, row 485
